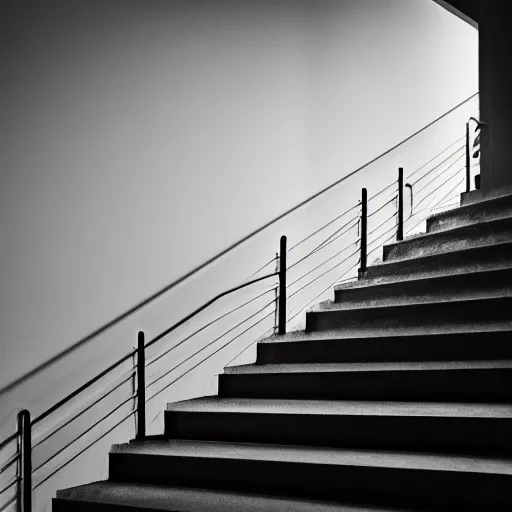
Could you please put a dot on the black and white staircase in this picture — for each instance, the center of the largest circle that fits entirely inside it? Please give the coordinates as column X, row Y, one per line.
column 397, row 397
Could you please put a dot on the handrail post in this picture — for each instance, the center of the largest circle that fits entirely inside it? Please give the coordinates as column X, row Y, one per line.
column 468, row 160
column 25, row 431
column 364, row 232
column 141, row 388
column 282, row 287
column 400, row 230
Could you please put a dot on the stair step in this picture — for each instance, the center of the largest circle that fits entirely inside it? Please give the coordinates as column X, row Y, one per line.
column 423, row 347
column 456, row 261
column 464, row 381
column 482, row 211
column 252, row 369
column 378, row 478
column 111, row 496
column 330, row 315
column 484, row 233
column 475, row 285
column 434, row 427
column 339, row 408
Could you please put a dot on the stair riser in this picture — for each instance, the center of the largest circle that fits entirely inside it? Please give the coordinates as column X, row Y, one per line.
column 464, row 238
column 484, row 258
column 62, row 505
column 435, row 314
column 421, row 434
column 480, row 212
column 479, row 285
column 457, row 347
column 479, row 386
column 375, row 486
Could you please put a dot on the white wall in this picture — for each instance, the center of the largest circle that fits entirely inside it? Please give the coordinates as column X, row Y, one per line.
column 139, row 138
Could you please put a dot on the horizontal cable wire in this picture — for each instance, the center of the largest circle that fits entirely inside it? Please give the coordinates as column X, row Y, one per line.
column 209, row 344
column 131, row 373
column 322, row 275
column 381, row 245
column 9, row 440
column 206, row 305
column 322, row 228
column 429, row 195
column 383, row 224
column 8, row 504
column 441, row 173
column 273, row 260
column 10, row 462
column 320, row 265
column 12, row 484
column 438, row 155
column 383, row 234
column 325, row 244
column 340, row 232
column 337, row 237
column 383, row 206
column 438, row 166
column 441, row 205
column 346, row 259
column 160, row 356
column 392, row 184
column 84, row 450
column 203, row 360
column 429, row 208
column 75, row 393
column 322, row 292
column 451, row 191
column 262, row 336
column 95, row 424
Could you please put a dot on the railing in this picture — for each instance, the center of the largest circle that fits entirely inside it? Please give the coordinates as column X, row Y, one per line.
column 352, row 237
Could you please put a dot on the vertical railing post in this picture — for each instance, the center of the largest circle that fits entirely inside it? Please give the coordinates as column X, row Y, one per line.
column 282, row 287
column 400, row 229
column 25, row 432
column 364, row 232
column 141, row 388
column 468, row 160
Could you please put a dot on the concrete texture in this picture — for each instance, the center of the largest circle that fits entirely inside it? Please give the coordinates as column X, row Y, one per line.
column 328, row 407
column 312, row 455
column 197, row 500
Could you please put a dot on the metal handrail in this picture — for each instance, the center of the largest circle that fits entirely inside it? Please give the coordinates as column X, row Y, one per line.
column 25, row 423
column 218, row 256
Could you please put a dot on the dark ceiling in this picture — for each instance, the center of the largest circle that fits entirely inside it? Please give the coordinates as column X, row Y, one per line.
column 468, row 10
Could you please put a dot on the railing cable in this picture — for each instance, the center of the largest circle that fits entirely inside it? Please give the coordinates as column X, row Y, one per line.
column 174, row 347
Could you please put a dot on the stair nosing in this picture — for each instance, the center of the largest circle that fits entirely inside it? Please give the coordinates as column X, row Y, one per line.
column 298, row 454
column 369, row 367
column 383, row 264
column 344, row 408
column 468, row 227
column 368, row 284
column 457, row 301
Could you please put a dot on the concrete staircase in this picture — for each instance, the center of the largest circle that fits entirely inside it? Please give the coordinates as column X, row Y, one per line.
column 397, row 397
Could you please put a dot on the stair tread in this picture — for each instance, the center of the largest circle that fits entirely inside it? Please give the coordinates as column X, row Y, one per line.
column 329, row 305
column 485, row 224
column 472, row 274
column 367, row 367
column 341, row 408
column 335, row 335
column 199, row 500
column 474, row 208
column 316, row 455
column 461, row 251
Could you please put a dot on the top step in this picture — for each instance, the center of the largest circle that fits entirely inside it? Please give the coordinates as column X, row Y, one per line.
column 483, row 211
